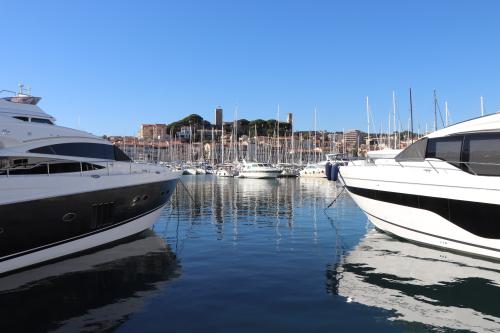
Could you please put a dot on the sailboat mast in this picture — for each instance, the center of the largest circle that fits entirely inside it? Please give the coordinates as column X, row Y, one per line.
column 435, row 111
column 278, row 125
column 411, row 116
column 446, row 112
column 314, row 146
column 368, row 120
column 222, row 144
column 394, row 117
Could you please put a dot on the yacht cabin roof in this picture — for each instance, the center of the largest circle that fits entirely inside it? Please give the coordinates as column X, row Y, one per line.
column 489, row 123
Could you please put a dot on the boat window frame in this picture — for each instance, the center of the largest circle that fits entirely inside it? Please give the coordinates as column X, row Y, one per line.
column 459, row 163
column 421, row 145
column 465, row 157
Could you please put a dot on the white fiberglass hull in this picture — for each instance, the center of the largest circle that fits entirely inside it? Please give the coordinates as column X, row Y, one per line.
column 312, row 175
column 258, row 175
column 430, row 206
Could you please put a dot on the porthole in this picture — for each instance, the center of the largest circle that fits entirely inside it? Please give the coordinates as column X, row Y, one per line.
column 135, row 200
column 68, row 217
column 145, row 197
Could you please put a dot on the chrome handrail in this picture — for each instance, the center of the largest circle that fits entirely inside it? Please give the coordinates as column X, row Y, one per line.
column 428, row 161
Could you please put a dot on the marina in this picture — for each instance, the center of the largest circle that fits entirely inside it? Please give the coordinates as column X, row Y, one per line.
column 265, row 255
column 250, row 166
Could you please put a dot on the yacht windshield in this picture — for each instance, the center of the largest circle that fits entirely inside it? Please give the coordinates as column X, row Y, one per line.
column 414, row 152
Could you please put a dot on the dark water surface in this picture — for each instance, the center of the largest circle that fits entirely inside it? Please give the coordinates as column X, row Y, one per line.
column 241, row 255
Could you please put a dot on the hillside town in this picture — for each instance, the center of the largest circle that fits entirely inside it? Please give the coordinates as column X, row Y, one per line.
column 194, row 139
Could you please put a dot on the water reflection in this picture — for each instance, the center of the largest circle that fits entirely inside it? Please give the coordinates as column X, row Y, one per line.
column 226, row 200
column 92, row 292
column 422, row 286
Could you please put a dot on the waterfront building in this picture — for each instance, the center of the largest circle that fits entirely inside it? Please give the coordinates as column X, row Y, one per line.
column 153, row 132
column 218, row 117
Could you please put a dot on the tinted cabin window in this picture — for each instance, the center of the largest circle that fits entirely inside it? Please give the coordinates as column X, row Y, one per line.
column 120, row 155
column 36, row 169
column 81, row 149
column 447, row 149
column 415, row 152
column 41, row 121
column 482, row 152
column 22, row 118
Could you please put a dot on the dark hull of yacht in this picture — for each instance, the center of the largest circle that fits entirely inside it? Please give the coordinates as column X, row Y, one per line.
column 40, row 230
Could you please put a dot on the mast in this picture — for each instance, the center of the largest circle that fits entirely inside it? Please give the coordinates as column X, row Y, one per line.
column 482, row 106
column 411, row 116
column 314, row 146
column 256, row 145
column 212, row 150
column 389, row 132
column 368, row 120
column 222, row 144
column 293, row 146
column 394, row 117
column 278, row 126
column 190, row 143
column 446, row 112
column 435, row 110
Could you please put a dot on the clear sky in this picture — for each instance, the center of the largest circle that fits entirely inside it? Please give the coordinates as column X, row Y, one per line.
column 111, row 65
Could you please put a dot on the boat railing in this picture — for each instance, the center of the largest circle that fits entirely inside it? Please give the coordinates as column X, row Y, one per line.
column 98, row 168
column 436, row 164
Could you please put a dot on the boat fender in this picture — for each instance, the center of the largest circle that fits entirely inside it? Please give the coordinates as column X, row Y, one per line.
column 328, row 168
column 335, row 172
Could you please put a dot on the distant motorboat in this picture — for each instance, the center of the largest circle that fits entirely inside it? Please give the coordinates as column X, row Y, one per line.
column 225, row 170
column 314, row 171
column 258, row 170
column 287, row 170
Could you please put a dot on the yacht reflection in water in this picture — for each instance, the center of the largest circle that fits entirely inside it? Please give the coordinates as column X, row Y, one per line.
column 421, row 286
column 96, row 291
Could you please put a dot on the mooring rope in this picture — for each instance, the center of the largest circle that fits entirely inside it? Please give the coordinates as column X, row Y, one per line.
column 338, row 195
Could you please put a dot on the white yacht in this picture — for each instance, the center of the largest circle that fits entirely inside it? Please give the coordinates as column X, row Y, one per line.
column 258, row 170
column 64, row 191
column 287, row 170
column 443, row 190
column 225, row 170
column 318, row 170
column 314, row 170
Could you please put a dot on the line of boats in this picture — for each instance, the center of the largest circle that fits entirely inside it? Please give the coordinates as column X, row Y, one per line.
column 64, row 191
column 245, row 169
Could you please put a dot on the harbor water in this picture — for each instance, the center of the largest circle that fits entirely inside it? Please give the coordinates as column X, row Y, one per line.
column 252, row 255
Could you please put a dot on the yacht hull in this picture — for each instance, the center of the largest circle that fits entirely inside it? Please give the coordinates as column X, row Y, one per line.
column 424, row 227
column 41, row 230
column 258, row 175
column 312, row 175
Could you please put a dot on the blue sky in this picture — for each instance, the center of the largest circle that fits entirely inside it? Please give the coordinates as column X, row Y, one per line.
column 116, row 64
